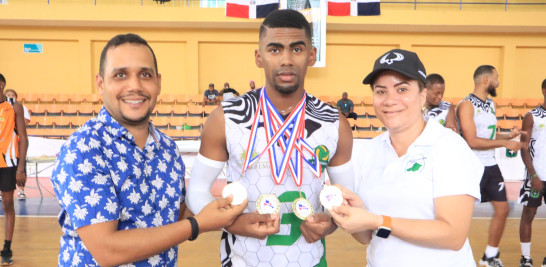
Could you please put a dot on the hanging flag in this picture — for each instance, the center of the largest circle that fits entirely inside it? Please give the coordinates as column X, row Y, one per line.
column 353, row 8
column 250, row 9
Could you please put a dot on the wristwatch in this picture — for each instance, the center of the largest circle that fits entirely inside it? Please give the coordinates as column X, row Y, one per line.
column 384, row 230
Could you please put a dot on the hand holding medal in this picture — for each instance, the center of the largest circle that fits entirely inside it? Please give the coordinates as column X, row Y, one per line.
column 237, row 190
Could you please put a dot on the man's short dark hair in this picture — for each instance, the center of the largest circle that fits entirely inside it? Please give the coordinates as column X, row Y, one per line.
column 120, row 39
column 434, row 78
column 544, row 84
column 2, row 78
column 483, row 69
column 286, row 18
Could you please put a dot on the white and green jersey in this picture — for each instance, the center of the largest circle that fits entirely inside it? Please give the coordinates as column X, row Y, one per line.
column 438, row 113
column 288, row 247
column 486, row 125
column 539, row 128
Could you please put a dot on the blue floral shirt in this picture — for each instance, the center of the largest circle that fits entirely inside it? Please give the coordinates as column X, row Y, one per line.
column 101, row 175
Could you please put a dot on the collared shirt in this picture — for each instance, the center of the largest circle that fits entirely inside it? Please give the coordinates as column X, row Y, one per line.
column 101, row 175
column 438, row 163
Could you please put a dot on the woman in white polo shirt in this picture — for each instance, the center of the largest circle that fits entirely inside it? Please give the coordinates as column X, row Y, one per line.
column 417, row 183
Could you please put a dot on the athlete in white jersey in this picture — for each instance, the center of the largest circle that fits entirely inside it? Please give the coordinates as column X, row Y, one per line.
column 231, row 132
column 533, row 188
column 476, row 117
column 435, row 108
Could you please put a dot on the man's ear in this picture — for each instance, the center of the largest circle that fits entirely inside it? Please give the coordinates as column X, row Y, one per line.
column 313, row 57
column 99, row 82
column 258, row 58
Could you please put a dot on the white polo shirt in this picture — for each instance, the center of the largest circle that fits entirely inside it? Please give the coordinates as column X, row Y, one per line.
column 439, row 163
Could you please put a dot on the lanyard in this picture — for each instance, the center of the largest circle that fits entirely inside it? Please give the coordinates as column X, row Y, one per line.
column 288, row 134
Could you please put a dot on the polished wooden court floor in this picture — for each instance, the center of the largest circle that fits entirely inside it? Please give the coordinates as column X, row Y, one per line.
column 36, row 243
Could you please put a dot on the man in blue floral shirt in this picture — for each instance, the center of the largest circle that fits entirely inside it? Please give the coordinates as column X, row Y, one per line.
column 119, row 181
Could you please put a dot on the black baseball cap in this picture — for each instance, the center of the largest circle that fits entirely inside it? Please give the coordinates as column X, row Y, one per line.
column 399, row 60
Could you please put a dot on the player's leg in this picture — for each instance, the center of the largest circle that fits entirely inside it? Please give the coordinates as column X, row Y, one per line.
column 7, row 186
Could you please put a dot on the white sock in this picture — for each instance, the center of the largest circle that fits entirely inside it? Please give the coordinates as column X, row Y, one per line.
column 491, row 252
column 526, row 250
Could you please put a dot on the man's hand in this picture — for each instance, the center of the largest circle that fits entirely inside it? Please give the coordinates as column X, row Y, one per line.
column 255, row 225
column 317, row 226
column 516, row 132
column 219, row 213
column 513, row 145
column 21, row 178
column 536, row 184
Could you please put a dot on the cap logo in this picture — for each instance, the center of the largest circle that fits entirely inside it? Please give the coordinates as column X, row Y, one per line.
column 384, row 59
column 423, row 74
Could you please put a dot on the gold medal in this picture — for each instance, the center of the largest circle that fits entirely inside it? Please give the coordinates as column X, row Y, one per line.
column 268, row 204
column 302, row 208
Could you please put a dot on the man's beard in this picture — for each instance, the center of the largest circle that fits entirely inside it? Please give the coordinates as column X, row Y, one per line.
column 492, row 90
column 286, row 90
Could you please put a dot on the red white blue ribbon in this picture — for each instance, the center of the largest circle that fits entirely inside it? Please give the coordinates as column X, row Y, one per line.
column 288, row 134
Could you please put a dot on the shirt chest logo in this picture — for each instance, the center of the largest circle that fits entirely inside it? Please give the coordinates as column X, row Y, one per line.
column 415, row 164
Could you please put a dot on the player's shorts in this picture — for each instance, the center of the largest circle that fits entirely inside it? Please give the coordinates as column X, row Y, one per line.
column 531, row 198
column 492, row 185
column 7, row 179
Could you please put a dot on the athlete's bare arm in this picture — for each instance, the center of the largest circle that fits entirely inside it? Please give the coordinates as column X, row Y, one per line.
column 214, row 146
column 344, row 144
column 527, row 126
column 451, row 119
column 465, row 112
column 21, row 127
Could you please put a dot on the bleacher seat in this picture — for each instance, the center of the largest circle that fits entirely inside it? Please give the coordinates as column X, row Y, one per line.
column 177, row 122
column 208, row 109
column 61, row 98
column 76, row 98
column 531, row 103
column 180, row 110
column 195, row 110
column 191, row 134
column 502, row 102
column 517, row 102
column 183, row 99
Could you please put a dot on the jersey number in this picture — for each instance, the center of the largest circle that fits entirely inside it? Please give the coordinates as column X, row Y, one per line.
column 492, row 127
column 290, row 219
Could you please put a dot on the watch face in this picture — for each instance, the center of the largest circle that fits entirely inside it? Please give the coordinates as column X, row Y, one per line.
column 383, row 232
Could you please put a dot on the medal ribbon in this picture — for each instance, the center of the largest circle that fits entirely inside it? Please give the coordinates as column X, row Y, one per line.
column 289, row 134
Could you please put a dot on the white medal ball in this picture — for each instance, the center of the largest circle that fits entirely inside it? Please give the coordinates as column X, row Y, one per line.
column 331, row 196
column 237, row 190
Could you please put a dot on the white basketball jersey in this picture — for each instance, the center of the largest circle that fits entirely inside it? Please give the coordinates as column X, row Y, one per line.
column 486, row 125
column 536, row 148
column 288, row 247
column 438, row 114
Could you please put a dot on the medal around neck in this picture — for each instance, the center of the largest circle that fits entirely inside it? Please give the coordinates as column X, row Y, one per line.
column 302, row 208
column 268, row 204
column 330, row 197
column 237, row 190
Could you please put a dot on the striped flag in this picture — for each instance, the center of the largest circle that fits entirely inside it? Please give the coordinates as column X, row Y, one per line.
column 353, row 8
column 250, row 9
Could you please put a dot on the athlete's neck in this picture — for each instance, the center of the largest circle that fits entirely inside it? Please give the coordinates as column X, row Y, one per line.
column 481, row 93
column 285, row 102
